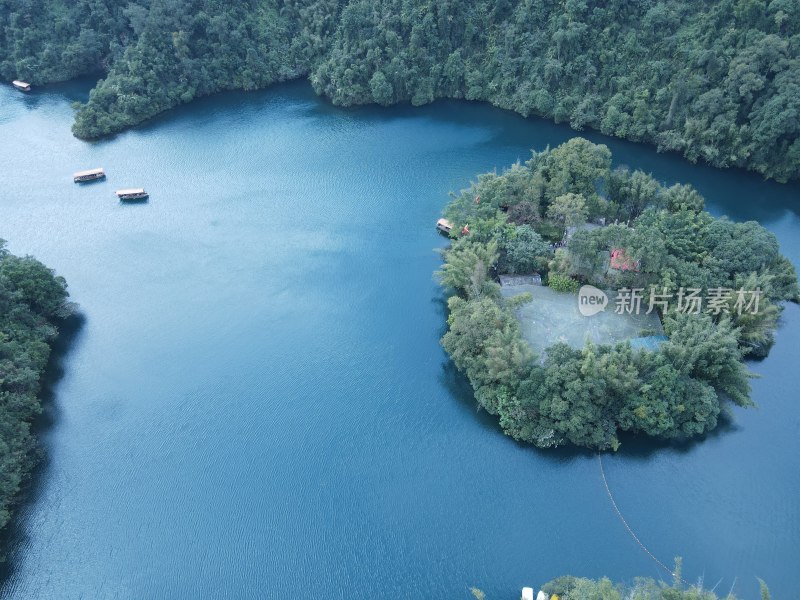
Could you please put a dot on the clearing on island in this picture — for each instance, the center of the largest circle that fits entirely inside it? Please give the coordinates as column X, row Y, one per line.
column 554, row 317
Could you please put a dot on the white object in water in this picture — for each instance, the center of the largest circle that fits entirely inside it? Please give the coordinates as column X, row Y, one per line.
column 542, row 596
column 527, row 593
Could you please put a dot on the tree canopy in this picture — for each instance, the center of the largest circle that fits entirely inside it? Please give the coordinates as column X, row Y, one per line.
column 32, row 301
column 641, row 588
column 717, row 81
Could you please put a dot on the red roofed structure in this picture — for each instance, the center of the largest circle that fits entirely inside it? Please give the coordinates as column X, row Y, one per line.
column 621, row 262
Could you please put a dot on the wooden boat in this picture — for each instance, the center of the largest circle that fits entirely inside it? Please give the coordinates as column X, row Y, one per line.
column 444, row 226
column 90, row 175
column 22, row 86
column 132, row 195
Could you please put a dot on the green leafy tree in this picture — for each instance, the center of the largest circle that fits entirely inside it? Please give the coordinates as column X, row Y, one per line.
column 575, row 167
column 483, row 341
column 525, row 251
column 632, row 192
column 709, row 352
column 562, row 283
column 570, row 209
column 682, row 197
column 467, row 268
column 382, row 91
column 755, row 322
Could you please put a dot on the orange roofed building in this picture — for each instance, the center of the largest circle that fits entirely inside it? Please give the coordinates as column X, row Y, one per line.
column 620, row 261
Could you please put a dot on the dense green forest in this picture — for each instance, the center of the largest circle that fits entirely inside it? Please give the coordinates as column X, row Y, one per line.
column 32, row 301
column 514, row 223
column 715, row 80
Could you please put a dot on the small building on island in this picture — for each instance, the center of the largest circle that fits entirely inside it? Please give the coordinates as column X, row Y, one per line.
column 509, row 280
column 620, row 261
column 22, row 86
column 572, row 229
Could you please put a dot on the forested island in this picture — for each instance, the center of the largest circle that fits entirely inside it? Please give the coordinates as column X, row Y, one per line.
column 515, row 223
column 642, row 588
column 717, row 81
column 33, row 300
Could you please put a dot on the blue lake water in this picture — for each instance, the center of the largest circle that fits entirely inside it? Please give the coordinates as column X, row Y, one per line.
column 257, row 405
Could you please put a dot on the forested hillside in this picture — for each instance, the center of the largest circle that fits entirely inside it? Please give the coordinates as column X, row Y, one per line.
column 193, row 48
column 32, row 300
column 43, row 40
column 715, row 80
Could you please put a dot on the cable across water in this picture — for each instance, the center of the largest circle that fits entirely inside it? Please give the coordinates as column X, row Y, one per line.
column 628, row 527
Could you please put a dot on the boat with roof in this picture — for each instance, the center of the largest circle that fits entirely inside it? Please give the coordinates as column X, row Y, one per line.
column 132, row 195
column 89, row 175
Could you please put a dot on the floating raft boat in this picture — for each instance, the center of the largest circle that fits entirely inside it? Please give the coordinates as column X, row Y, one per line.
column 22, row 86
column 527, row 593
column 90, row 175
column 132, row 195
column 444, row 226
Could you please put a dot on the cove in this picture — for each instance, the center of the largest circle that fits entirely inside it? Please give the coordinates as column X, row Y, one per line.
column 257, row 405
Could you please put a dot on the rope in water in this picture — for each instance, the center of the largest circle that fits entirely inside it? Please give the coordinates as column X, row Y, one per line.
column 628, row 527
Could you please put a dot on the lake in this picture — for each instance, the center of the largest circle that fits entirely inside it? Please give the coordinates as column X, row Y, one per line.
column 256, row 403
